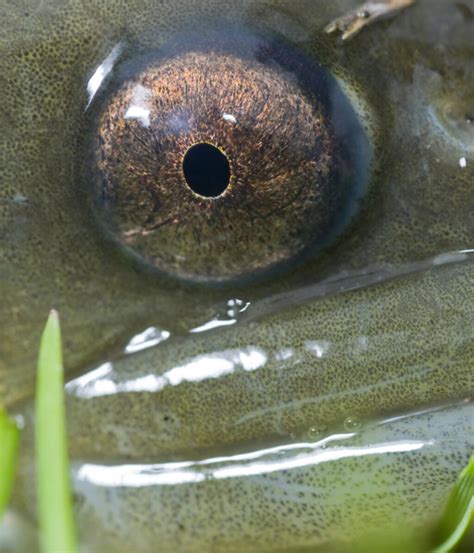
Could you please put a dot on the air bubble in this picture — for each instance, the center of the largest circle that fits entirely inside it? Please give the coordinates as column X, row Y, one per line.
column 351, row 424
column 314, row 433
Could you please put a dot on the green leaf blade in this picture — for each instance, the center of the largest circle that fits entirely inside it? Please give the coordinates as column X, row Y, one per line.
column 55, row 511
column 9, row 439
column 459, row 511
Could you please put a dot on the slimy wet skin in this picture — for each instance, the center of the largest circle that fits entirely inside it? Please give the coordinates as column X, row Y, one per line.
column 377, row 322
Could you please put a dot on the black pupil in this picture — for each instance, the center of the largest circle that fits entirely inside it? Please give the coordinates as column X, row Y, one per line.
column 206, row 170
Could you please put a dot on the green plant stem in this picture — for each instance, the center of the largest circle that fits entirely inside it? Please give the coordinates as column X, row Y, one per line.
column 55, row 512
column 9, row 438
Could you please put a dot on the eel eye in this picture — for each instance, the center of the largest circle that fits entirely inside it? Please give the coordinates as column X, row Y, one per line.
column 227, row 160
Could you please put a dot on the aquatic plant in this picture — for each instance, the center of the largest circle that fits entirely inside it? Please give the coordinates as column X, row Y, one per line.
column 55, row 511
column 459, row 511
column 9, row 435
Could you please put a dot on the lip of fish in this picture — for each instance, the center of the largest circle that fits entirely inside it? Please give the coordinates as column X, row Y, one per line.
column 242, row 311
column 350, row 280
column 334, row 478
column 289, row 456
column 293, row 475
column 276, row 372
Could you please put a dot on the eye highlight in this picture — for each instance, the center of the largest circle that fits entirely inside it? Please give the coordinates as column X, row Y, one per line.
column 226, row 160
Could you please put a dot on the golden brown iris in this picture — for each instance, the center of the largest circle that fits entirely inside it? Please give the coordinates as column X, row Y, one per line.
column 213, row 166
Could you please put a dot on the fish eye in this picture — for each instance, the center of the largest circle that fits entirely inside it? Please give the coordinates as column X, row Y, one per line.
column 225, row 159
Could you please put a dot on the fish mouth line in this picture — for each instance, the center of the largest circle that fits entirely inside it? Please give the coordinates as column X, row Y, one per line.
column 348, row 281
column 255, row 462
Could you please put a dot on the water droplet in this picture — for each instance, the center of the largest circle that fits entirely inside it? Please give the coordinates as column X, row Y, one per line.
column 351, row 424
column 150, row 337
column 235, row 307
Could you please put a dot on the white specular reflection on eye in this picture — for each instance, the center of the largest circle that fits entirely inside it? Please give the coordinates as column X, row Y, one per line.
column 103, row 381
column 95, row 82
column 229, row 118
column 139, row 109
column 252, row 464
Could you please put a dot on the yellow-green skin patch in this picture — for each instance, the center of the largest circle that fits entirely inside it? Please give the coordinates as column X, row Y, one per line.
column 397, row 346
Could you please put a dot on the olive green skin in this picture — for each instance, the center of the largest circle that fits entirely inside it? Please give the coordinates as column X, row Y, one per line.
column 397, row 346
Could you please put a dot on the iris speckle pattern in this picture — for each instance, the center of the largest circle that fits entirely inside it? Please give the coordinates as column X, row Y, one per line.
column 289, row 176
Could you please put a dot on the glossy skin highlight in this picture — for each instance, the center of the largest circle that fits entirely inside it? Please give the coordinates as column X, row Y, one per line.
column 390, row 347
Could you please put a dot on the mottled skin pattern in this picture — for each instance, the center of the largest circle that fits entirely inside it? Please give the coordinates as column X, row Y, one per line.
column 401, row 345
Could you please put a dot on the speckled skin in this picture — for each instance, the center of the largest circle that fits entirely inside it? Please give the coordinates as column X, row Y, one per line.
column 286, row 372
column 330, row 500
column 419, row 328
